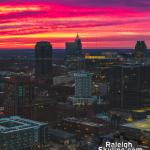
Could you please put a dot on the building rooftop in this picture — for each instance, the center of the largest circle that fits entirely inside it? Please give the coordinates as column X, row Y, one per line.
column 143, row 125
column 103, row 116
column 142, row 109
column 60, row 134
column 83, row 121
column 15, row 123
column 83, row 74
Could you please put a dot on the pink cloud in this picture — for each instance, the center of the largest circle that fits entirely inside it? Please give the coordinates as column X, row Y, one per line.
column 29, row 22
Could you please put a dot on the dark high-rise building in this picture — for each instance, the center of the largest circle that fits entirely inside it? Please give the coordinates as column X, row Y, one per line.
column 74, row 49
column 129, row 86
column 19, row 97
column 43, row 61
column 79, row 45
column 140, row 49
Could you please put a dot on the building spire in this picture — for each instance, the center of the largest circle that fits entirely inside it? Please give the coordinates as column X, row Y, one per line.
column 77, row 37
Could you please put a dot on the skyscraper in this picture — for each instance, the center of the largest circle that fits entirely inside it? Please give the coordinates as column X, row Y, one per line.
column 74, row 49
column 140, row 49
column 78, row 45
column 43, row 61
column 83, row 89
column 129, row 86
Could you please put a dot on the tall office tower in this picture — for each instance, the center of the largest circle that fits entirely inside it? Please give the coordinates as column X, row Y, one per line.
column 140, row 49
column 19, row 92
column 43, row 62
column 22, row 134
column 78, row 45
column 83, row 85
column 74, row 49
column 129, row 86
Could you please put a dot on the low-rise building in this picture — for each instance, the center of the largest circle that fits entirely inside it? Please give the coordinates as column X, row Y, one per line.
column 138, row 130
column 17, row 133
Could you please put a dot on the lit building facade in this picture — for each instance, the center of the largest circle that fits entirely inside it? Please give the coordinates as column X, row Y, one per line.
column 83, row 88
column 83, row 85
column 22, row 134
column 139, row 130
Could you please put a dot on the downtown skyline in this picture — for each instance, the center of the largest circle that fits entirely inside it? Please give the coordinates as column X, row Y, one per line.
column 105, row 24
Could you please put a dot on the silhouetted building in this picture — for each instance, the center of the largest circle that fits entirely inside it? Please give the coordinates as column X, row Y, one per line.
column 140, row 49
column 61, row 137
column 19, row 95
column 43, row 62
column 22, row 134
column 44, row 109
column 82, row 126
column 129, row 86
column 74, row 49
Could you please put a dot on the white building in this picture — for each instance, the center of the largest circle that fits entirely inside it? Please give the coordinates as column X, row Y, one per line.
column 83, row 85
column 83, row 89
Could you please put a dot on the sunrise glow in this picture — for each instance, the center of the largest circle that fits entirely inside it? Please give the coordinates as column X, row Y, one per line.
column 100, row 24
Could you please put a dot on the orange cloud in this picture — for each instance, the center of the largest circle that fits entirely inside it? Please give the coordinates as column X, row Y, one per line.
column 24, row 24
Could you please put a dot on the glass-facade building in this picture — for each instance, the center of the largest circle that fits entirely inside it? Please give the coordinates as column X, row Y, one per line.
column 83, row 84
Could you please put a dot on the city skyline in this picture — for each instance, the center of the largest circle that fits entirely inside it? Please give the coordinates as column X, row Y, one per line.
column 105, row 24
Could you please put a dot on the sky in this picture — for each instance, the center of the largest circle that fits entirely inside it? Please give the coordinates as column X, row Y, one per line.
column 99, row 23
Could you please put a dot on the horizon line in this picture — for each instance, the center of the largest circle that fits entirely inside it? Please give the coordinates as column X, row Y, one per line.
column 104, row 48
